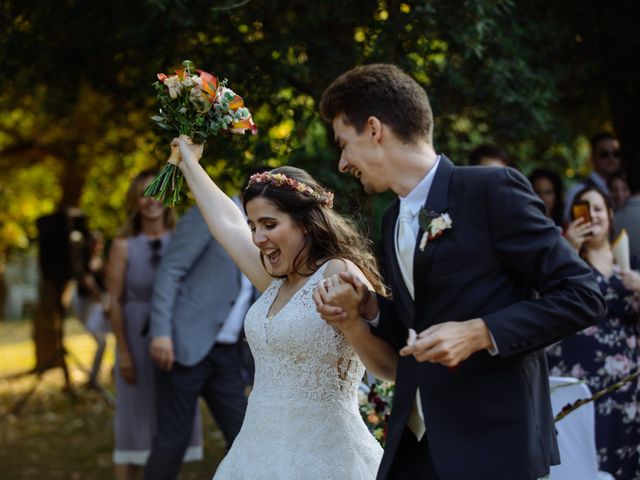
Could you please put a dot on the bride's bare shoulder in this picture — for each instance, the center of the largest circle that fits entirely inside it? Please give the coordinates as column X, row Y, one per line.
column 337, row 265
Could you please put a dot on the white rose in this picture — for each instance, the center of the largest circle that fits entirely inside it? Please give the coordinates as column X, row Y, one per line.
column 440, row 223
column 174, row 86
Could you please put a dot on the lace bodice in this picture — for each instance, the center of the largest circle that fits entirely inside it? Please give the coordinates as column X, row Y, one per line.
column 297, row 354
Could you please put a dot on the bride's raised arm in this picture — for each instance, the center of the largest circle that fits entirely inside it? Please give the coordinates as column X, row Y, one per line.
column 225, row 220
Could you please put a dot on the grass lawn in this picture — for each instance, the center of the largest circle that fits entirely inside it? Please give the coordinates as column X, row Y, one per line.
column 62, row 435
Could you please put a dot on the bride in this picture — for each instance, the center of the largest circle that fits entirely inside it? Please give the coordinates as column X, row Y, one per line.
column 302, row 419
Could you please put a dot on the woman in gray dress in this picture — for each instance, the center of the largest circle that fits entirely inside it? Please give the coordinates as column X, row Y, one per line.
column 133, row 259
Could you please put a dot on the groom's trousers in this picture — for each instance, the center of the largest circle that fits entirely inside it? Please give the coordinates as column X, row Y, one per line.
column 220, row 380
column 413, row 459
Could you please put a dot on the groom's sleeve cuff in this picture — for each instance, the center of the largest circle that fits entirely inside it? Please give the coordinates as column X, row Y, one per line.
column 493, row 351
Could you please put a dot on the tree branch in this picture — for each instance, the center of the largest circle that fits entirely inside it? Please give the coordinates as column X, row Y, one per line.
column 570, row 407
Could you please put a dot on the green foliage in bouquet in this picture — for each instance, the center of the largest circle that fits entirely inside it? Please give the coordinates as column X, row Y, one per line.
column 193, row 103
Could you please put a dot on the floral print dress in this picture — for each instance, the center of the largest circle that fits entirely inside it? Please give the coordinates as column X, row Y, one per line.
column 602, row 355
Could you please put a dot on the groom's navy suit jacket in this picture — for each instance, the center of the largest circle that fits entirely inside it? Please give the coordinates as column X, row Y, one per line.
column 504, row 262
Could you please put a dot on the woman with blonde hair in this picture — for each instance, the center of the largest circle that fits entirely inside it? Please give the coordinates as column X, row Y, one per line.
column 134, row 256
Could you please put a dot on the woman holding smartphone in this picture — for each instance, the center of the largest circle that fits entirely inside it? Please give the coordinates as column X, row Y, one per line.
column 606, row 353
column 579, row 229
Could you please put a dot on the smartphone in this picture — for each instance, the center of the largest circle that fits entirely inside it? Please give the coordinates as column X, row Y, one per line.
column 581, row 210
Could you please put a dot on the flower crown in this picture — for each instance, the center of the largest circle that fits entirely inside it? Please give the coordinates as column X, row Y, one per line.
column 282, row 181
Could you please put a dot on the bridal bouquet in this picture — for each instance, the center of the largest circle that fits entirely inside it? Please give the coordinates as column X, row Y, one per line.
column 375, row 408
column 196, row 104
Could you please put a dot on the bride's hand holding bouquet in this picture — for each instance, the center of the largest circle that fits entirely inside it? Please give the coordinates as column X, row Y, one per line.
column 194, row 105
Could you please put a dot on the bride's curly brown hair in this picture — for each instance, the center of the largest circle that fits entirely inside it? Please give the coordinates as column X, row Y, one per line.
column 329, row 234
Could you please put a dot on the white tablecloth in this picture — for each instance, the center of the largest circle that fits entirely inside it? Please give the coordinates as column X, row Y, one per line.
column 576, row 433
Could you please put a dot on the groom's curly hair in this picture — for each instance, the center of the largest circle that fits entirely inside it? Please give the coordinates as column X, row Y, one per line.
column 383, row 91
column 328, row 234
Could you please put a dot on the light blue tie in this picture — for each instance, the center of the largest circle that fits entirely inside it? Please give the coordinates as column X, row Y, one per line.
column 405, row 245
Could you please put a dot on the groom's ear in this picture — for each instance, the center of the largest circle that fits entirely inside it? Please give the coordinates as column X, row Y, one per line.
column 374, row 128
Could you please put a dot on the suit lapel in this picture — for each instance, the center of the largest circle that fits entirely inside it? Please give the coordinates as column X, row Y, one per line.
column 400, row 292
column 437, row 201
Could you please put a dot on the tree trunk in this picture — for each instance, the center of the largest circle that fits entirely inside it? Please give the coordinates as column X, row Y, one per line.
column 48, row 320
column 72, row 182
column 47, row 326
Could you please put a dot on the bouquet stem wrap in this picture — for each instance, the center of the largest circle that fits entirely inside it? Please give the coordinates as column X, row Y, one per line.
column 194, row 105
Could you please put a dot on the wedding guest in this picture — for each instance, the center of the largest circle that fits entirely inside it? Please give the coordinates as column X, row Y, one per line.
column 133, row 259
column 200, row 299
column 465, row 250
column 618, row 190
column 603, row 354
column 628, row 217
column 548, row 186
column 488, row 155
column 605, row 161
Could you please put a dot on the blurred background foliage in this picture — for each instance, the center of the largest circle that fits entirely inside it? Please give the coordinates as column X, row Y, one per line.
column 536, row 76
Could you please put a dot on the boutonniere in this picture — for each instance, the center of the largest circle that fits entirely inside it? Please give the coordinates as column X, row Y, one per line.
column 433, row 225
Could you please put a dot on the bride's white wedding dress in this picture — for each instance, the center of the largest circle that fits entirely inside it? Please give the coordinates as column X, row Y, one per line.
column 302, row 421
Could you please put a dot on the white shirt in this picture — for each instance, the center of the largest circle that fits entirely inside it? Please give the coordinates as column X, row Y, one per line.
column 230, row 331
column 414, row 201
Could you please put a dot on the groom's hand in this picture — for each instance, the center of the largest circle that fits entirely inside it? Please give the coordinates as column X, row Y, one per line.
column 368, row 307
column 336, row 301
column 450, row 343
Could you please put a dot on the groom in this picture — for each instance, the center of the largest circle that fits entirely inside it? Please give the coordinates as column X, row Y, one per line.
column 477, row 271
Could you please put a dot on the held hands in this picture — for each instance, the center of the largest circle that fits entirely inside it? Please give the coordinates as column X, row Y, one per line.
column 577, row 232
column 342, row 299
column 161, row 349
column 448, row 343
